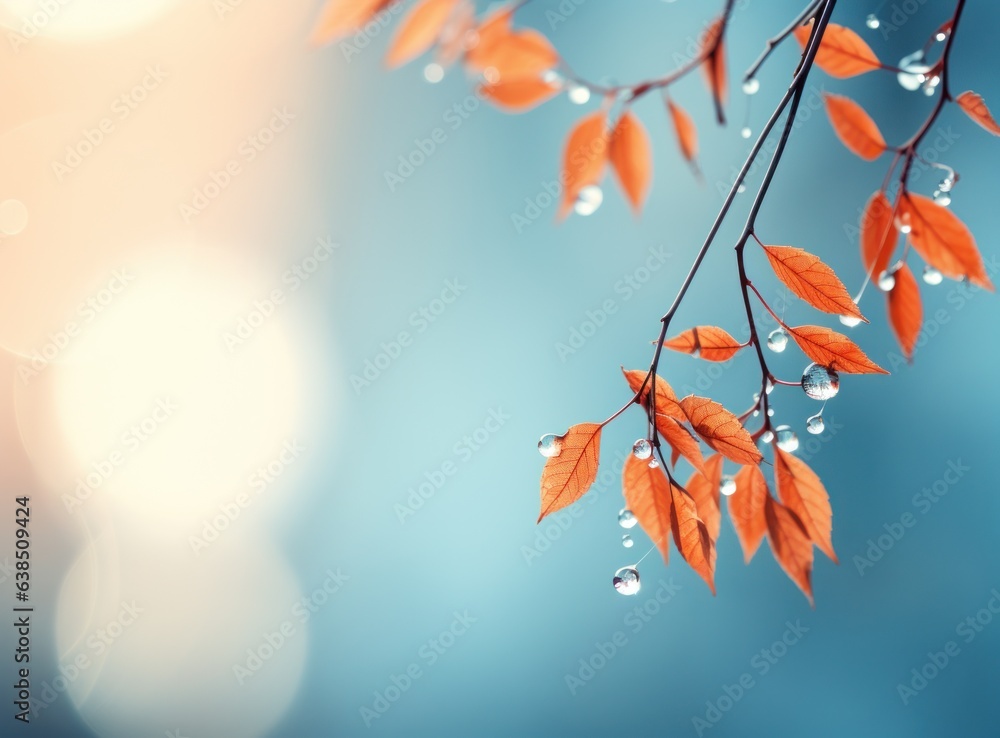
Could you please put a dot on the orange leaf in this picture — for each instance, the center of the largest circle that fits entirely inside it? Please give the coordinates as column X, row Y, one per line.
column 905, row 311
column 833, row 350
column 975, row 107
column 681, row 440
column 567, row 476
column 715, row 65
column 691, row 535
column 342, row 17
column 721, row 430
column 878, row 234
column 666, row 400
column 520, row 94
column 856, row 130
column 419, row 30
column 943, row 240
column 647, row 495
column 583, row 158
column 803, row 493
column 456, row 32
column 842, row 53
column 494, row 28
column 812, row 280
column 518, row 54
column 632, row 158
column 703, row 486
column 791, row 545
column 687, row 133
column 746, row 509
column 705, row 341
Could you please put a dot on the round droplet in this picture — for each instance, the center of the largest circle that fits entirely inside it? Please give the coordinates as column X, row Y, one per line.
column 589, row 199
column 913, row 72
column 905, row 228
column 550, row 445
column 872, row 21
column 751, row 87
column 942, row 198
column 433, row 73
column 746, row 132
column 770, row 412
column 786, row 439
column 742, row 188
column 627, row 541
column 551, row 77
column 727, row 486
column 815, row 424
column 767, row 436
column 491, row 75
column 930, row 85
column 820, row 382
column 626, row 581
column 626, row 519
column 940, row 36
column 887, row 280
column 578, row 94
column 756, row 413
column 13, row 217
column 932, row 276
column 777, row 340
column 642, row 449
column 654, row 464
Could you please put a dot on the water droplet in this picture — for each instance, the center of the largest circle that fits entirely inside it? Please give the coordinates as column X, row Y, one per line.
column 768, row 387
column 756, row 413
column 820, row 382
column 627, row 541
column 872, row 21
column 786, row 438
column 930, row 85
column 578, row 95
column 905, row 228
column 946, row 184
column 642, row 449
column 13, row 217
column 751, row 86
column 767, row 436
column 746, row 132
column 850, row 321
column 626, row 519
column 777, row 340
column 932, row 276
column 815, row 424
column 589, row 199
column 940, row 36
column 742, row 188
column 942, row 198
column 550, row 445
column 491, row 75
column 551, row 77
column 770, row 412
column 887, row 280
column 654, row 464
column 626, row 581
column 913, row 71
column 727, row 486
column 433, row 73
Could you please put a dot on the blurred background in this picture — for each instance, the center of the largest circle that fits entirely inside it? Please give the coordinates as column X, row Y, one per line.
column 275, row 395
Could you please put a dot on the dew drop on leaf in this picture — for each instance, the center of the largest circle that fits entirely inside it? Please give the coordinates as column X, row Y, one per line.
column 850, row 321
column 627, row 541
column 642, row 449
column 626, row 519
column 786, row 438
column 872, row 21
column 433, row 73
column 751, row 87
column 550, row 445
column 932, row 276
column 727, row 486
column 777, row 340
column 578, row 94
column 626, row 581
column 820, row 382
column 815, row 424
column 589, row 199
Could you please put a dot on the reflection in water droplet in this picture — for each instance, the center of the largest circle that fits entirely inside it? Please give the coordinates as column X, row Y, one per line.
column 627, row 541
column 727, row 486
column 786, row 439
column 550, row 445
column 626, row 519
column 820, row 382
column 777, row 340
column 942, row 198
column 642, row 449
column 626, row 581
column 815, row 425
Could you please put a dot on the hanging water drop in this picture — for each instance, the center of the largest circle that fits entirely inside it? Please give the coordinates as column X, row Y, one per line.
column 815, row 424
column 751, row 86
column 942, row 198
column 777, row 340
column 626, row 519
column 550, row 445
column 578, row 94
column 626, row 581
column 820, row 382
column 905, row 228
column 727, row 486
column 770, row 412
column 653, row 463
column 742, row 188
column 850, row 321
column 912, row 71
column 433, row 73
column 930, row 85
column 932, row 276
column 786, row 439
column 589, row 199
column 627, row 541
column 746, row 132
column 872, row 21
column 887, row 280
column 947, row 184
column 940, row 36
column 767, row 436
column 768, row 387
column 642, row 449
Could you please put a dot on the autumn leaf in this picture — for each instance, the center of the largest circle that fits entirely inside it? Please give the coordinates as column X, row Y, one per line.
column 720, row 429
column 975, row 107
column 842, row 52
column 520, row 94
column 494, row 28
column 855, row 128
column 746, row 509
column 583, row 158
column 687, row 133
column 943, row 240
column 812, row 280
column 703, row 486
column 647, row 495
column 569, row 474
column 342, row 17
column 419, row 30
column 715, row 65
column 833, row 350
column 878, row 234
column 452, row 41
column 516, row 55
column 803, row 493
column 681, row 440
column 691, row 535
column 666, row 400
column 705, row 341
column 791, row 545
column 905, row 310
column 632, row 158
